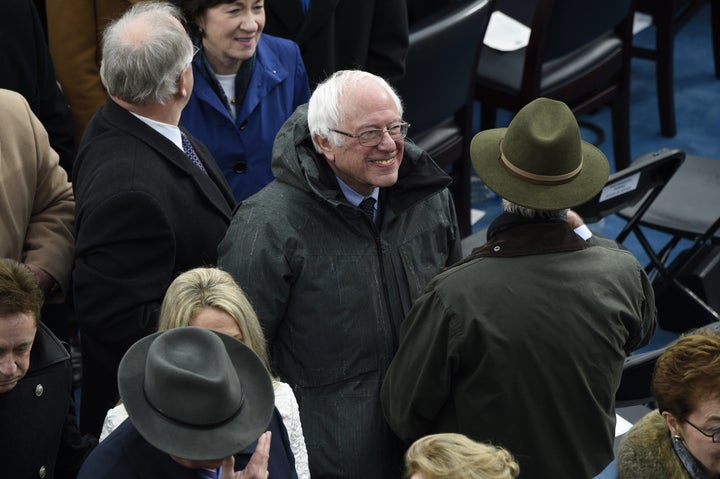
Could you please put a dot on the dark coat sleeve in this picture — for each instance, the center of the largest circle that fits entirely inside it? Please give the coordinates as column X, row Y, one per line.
column 26, row 67
column 389, row 40
column 124, row 262
column 74, row 447
column 418, row 382
column 282, row 461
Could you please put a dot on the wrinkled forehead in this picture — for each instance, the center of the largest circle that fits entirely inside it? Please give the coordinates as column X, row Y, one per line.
column 369, row 106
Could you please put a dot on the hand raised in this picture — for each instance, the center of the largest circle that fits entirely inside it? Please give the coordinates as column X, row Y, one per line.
column 257, row 468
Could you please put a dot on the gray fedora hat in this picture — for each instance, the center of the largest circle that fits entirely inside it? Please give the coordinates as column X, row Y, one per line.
column 539, row 160
column 195, row 393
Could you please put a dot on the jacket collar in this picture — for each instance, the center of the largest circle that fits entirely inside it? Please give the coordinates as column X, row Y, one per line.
column 269, row 70
column 687, row 460
column 512, row 235
column 47, row 350
column 212, row 185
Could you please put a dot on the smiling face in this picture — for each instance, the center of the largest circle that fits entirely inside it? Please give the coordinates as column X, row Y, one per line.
column 231, row 32
column 17, row 333
column 363, row 168
column 706, row 416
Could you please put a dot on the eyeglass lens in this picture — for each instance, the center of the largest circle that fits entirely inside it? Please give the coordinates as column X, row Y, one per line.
column 374, row 137
column 714, row 436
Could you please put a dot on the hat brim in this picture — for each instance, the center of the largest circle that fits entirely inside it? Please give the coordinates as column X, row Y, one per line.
column 191, row 442
column 485, row 154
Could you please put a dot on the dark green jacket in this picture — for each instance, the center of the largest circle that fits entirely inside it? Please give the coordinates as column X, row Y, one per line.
column 331, row 289
column 523, row 345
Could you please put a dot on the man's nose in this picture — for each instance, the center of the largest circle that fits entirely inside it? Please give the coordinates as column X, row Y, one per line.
column 386, row 142
column 8, row 366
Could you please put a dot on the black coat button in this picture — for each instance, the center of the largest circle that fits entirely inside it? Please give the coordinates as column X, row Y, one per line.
column 240, row 167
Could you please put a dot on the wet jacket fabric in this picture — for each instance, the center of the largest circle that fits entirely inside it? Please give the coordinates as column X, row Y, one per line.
column 39, row 436
column 522, row 345
column 243, row 147
column 331, row 288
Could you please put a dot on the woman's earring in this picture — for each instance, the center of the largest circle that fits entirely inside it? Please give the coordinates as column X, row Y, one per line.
column 677, row 437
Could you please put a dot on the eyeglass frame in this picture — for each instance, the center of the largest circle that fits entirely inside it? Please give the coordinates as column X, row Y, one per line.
column 714, row 436
column 195, row 49
column 382, row 132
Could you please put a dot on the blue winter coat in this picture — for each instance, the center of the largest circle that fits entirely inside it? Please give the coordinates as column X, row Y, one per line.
column 242, row 148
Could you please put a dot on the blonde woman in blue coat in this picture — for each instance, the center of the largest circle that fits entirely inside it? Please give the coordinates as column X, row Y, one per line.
column 246, row 85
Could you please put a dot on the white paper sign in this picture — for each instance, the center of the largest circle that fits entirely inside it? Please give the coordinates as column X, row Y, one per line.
column 506, row 34
column 622, row 425
column 620, row 187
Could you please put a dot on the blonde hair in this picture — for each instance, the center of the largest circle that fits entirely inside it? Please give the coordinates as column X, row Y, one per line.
column 455, row 456
column 202, row 288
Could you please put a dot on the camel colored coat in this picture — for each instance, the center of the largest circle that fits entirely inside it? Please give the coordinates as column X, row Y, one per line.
column 36, row 199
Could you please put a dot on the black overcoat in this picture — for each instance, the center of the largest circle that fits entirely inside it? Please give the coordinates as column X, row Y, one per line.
column 370, row 35
column 38, row 432
column 143, row 214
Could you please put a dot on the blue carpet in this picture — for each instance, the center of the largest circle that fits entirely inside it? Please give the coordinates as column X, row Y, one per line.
column 697, row 104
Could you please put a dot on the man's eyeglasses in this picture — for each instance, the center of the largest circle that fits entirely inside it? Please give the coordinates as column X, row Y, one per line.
column 398, row 131
column 196, row 49
column 714, row 436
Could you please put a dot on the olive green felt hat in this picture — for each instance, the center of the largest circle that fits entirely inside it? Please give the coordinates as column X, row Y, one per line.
column 539, row 160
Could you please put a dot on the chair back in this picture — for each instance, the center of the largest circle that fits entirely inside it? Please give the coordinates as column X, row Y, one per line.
column 566, row 25
column 640, row 183
column 636, row 381
column 441, row 63
column 437, row 91
column 578, row 53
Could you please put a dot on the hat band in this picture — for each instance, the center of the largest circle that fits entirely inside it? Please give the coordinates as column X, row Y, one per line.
column 196, row 425
column 540, row 179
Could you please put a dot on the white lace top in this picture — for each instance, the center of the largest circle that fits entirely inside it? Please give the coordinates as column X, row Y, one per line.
column 286, row 405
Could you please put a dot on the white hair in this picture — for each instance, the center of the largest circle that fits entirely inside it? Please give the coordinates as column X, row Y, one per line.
column 326, row 109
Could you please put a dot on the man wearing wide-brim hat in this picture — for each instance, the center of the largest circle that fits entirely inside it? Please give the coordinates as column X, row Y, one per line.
column 194, row 397
column 522, row 344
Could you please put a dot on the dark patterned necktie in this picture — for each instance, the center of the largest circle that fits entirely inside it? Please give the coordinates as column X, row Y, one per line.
column 207, row 473
column 368, row 207
column 190, row 152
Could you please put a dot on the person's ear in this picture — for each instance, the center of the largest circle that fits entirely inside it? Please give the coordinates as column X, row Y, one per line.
column 672, row 423
column 182, row 85
column 201, row 24
column 182, row 90
column 325, row 145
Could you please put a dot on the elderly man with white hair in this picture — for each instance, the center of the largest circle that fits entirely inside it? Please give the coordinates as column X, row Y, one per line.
column 333, row 253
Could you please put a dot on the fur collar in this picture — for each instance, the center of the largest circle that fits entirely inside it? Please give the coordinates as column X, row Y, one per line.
column 646, row 451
